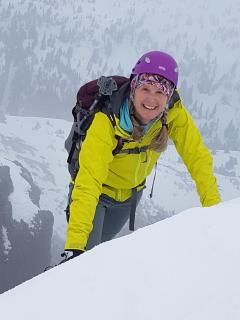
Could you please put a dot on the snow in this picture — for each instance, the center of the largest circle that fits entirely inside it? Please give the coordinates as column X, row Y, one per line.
column 22, row 208
column 6, row 243
column 38, row 144
column 185, row 267
column 188, row 262
column 63, row 44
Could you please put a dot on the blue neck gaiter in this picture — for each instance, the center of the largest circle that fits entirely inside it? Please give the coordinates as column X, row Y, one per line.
column 125, row 119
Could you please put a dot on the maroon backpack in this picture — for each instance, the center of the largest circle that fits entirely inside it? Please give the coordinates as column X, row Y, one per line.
column 98, row 88
column 91, row 98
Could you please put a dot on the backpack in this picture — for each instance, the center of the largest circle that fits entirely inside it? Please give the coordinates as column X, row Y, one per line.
column 92, row 97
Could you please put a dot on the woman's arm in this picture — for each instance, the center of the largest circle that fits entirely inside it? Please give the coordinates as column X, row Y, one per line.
column 94, row 159
column 196, row 156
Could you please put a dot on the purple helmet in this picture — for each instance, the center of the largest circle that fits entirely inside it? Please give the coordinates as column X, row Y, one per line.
column 157, row 62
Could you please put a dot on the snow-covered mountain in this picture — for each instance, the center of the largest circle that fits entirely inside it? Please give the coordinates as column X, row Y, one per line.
column 25, row 230
column 34, row 186
column 33, row 148
column 49, row 48
column 185, row 268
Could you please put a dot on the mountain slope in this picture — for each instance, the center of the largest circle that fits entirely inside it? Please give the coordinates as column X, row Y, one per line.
column 186, row 267
column 54, row 47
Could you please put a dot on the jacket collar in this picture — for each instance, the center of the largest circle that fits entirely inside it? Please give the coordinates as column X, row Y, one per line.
column 118, row 97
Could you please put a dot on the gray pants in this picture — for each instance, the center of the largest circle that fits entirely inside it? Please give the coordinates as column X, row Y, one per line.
column 110, row 217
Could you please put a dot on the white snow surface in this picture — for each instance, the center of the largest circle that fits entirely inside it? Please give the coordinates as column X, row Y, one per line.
column 185, row 267
column 6, row 243
column 22, row 208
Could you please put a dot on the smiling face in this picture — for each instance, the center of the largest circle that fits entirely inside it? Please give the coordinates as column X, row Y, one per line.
column 149, row 102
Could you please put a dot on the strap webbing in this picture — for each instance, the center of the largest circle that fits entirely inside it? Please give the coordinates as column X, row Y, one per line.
column 73, row 147
column 134, row 205
column 151, row 194
column 133, row 209
column 75, row 139
column 134, row 150
column 119, row 145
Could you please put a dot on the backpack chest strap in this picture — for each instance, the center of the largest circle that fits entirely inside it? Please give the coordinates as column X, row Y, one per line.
column 120, row 144
column 136, row 150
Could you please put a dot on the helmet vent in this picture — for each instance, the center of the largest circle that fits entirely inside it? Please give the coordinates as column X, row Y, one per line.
column 162, row 68
column 147, row 60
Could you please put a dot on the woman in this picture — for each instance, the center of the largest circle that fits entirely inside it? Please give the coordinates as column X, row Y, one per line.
column 107, row 187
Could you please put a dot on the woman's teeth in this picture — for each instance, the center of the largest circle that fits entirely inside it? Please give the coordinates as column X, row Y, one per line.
column 148, row 107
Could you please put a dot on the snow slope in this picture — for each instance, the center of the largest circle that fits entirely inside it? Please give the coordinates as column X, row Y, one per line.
column 185, row 267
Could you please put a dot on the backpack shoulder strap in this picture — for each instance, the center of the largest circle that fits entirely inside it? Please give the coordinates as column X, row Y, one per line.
column 120, row 143
column 118, row 97
column 174, row 98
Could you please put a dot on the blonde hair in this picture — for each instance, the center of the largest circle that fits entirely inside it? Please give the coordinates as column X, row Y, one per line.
column 159, row 142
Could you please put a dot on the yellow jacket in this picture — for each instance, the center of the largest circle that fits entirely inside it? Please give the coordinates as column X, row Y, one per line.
column 100, row 172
